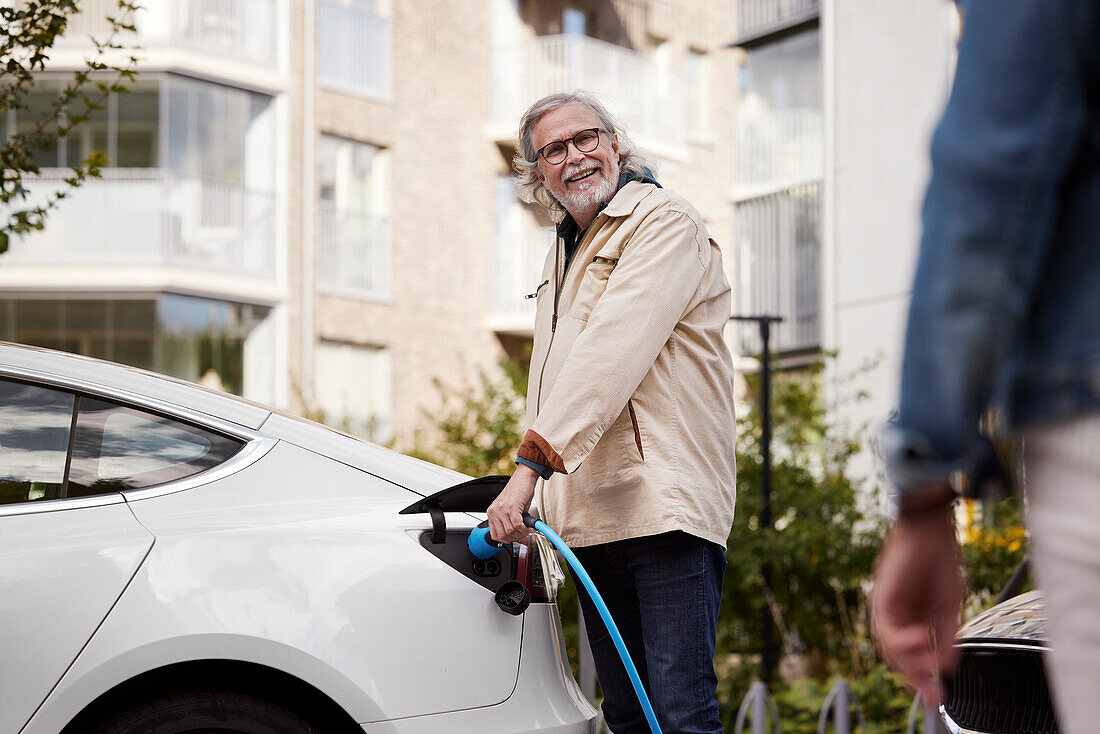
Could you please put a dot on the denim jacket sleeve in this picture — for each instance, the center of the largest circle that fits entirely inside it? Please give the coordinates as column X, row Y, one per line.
column 1000, row 155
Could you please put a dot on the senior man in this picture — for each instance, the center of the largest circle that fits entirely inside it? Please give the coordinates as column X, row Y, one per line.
column 630, row 409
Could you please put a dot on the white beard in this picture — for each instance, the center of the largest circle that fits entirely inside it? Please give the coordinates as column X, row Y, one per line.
column 586, row 196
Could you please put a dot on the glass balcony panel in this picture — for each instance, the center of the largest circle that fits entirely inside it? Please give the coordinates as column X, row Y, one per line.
column 779, row 149
column 151, row 217
column 237, row 29
column 647, row 97
column 779, row 240
column 354, row 49
column 354, row 256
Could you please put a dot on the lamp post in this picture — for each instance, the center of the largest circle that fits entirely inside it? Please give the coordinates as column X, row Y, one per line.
column 764, row 324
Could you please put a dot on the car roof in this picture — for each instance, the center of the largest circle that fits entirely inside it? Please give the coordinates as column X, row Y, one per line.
column 97, row 373
column 99, row 376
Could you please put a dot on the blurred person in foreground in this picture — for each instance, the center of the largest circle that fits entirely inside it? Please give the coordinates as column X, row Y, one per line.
column 1005, row 311
column 630, row 409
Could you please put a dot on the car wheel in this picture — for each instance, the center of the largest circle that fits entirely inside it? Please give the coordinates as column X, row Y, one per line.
column 204, row 712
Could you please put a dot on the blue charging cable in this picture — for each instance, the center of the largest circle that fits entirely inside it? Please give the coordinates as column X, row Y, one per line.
column 482, row 546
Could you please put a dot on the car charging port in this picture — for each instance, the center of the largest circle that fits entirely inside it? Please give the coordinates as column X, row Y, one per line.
column 487, row 568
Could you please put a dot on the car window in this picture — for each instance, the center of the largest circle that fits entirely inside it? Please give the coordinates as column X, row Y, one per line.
column 34, row 441
column 118, row 447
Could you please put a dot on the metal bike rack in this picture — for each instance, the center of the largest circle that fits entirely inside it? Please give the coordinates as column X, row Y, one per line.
column 840, row 701
column 759, row 703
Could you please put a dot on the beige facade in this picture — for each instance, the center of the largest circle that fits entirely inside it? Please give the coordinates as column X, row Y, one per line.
column 399, row 250
column 462, row 73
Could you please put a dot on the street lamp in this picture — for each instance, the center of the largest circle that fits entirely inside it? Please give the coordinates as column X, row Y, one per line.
column 764, row 323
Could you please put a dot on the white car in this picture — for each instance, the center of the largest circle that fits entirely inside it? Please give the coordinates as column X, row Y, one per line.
column 178, row 560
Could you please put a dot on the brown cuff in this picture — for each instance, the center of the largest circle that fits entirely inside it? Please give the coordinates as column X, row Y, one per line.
column 535, row 448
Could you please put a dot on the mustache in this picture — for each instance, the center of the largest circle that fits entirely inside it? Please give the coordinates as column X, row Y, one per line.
column 578, row 168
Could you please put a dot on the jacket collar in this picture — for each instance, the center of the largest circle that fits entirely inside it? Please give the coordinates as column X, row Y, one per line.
column 631, row 192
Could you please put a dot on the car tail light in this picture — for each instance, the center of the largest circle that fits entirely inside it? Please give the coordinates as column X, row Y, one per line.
column 529, row 570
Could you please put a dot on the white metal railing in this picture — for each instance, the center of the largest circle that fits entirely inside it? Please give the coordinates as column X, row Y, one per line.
column 246, row 30
column 151, row 216
column 354, row 49
column 779, row 150
column 354, row 253
column 758, row 15
column 648, row 98
column 778, row 237
column 518, row 258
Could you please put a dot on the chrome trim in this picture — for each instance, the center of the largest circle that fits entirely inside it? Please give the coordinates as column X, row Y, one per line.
column 992, row 645
column 174, row 409
column 952, row 727
column 249, row 454
column 33, row 507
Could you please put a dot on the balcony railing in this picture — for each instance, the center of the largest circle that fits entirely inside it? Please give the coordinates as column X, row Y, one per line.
column 779, row 150
column 518, row 257
column 756, row 17
column 246, row 30
column 151, row 217
column 354, row 254
column 648, row 98
column 354, row 50
column 779, row 240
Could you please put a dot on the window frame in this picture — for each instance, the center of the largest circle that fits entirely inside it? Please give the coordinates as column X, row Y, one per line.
column 254, row 444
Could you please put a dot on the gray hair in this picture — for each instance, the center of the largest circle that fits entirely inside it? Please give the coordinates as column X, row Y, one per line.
column 525, row 162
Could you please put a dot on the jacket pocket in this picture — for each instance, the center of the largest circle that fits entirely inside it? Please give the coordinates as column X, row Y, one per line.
column 637, row 431
column 593, row 284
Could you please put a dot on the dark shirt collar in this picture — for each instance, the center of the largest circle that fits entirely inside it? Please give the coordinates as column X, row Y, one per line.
column 571, row 233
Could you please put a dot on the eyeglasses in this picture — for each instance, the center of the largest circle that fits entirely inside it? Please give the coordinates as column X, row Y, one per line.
column 585, row 141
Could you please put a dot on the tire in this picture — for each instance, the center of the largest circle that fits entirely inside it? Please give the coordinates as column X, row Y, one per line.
column 207, row 712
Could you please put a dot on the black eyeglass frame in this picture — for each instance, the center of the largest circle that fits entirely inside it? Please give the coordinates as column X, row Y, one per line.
column 541, row 152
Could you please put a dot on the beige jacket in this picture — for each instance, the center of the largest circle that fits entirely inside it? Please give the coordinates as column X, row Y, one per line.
column 630, row 397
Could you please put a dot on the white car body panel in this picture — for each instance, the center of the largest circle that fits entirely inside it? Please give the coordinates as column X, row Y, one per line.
column 405, row 471
column 552, row 703
column 303, row 565
column 60, row 572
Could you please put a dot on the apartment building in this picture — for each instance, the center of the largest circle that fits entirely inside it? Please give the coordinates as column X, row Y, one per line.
column 837, row 105
column 309, row 201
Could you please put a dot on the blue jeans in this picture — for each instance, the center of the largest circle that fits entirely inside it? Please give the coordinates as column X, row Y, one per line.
column 663, row 592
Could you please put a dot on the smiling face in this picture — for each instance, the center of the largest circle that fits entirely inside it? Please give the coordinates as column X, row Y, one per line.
column 582, row 181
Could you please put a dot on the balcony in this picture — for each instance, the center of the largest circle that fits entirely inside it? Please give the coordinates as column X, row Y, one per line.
column 354, row 254
column 778, row 236
column 147, row 218
column 646, row 97
column 761, row 21
column 779, row 150
column 243, row 30
column 354, row 50
column 519, row 254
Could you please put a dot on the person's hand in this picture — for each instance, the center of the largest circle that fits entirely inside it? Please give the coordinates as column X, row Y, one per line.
column 506, row 512
column 917, row 593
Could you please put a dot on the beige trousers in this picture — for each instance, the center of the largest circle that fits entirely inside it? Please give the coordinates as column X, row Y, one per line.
column 1062, row 464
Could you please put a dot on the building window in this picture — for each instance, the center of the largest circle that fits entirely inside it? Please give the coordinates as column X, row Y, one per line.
column 191, row 127
column 354, row 389
column 697, row 77
column 219, row 132
column 353, row 229
column 355, row 47
column 125, row 129
column 218, row 344
column 574, row 21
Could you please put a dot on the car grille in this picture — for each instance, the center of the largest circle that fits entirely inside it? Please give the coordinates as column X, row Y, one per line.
column 1002, row 690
